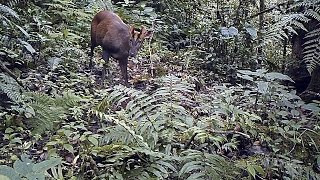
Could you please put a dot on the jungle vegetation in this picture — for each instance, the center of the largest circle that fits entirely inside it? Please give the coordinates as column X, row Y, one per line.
column 222, row 89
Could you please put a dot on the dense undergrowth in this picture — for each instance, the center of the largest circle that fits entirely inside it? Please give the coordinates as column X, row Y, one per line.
column 191, row 112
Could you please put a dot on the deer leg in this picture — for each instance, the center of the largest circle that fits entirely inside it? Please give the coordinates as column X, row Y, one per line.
column 91, row 55
column 105, row 56
column 123, row 67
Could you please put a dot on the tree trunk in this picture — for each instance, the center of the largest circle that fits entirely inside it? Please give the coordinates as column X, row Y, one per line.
column 261, row 28
column 312, row 90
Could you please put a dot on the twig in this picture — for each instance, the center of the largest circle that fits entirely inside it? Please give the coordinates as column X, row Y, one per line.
column 190, row 141
column 270, row 9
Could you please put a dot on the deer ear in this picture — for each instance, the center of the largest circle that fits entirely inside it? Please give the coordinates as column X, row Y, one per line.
column 144, row 33
column 131, row 29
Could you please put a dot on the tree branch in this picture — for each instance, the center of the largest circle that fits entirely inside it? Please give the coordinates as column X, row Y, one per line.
column 272, row 8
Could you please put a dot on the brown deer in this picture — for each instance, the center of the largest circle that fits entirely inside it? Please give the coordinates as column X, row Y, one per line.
column 117, row 40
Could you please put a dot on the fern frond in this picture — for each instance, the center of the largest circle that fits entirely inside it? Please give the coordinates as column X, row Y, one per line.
column 313, row 34
column 11, row 88
column 154, row 165
column 45, row 117
column 46, row 112
column 49, row 110
column 311, row 50
column 120, row 133
column 289, row 22
column 159, row 114
column 15, row 3
column 67, row 100
column 5, row 10
column 306, row 3
column 199, row 165
column 313, row 14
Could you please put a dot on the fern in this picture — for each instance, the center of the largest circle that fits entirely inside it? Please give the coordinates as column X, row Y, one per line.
column 313, row 14
column 142, row 123
column 137, row 163
column 5, row 10
column 311, row 50
column 121, row 133
column 199, row 165
column 294, row 21
column 48, row 110
column 15, row 3
column 103, row 4
column 11, row 88
column 161, row 111
column 159, row 165
column 67, row 100
column 289, row 23
column 307, row 3
column 150, row 127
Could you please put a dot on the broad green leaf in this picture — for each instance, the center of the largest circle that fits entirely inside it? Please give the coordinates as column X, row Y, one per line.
column 251, row 31
column 160, row 168
column 52, row 143
column 251, row 170
column 16, row 140
column 156, row 172
column 233, row 31
column 245, row 77
column 259, row 169
column 315, row 108
column 37, row 176
column 9, row 130
column 8, row 172
column 47, row 164
column 68, row 147
column 274, row 75
column 148, row 9
column 22, row 168
column 93, row 140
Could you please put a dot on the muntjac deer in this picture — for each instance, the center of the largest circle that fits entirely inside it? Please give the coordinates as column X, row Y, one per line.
column 117, row 40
